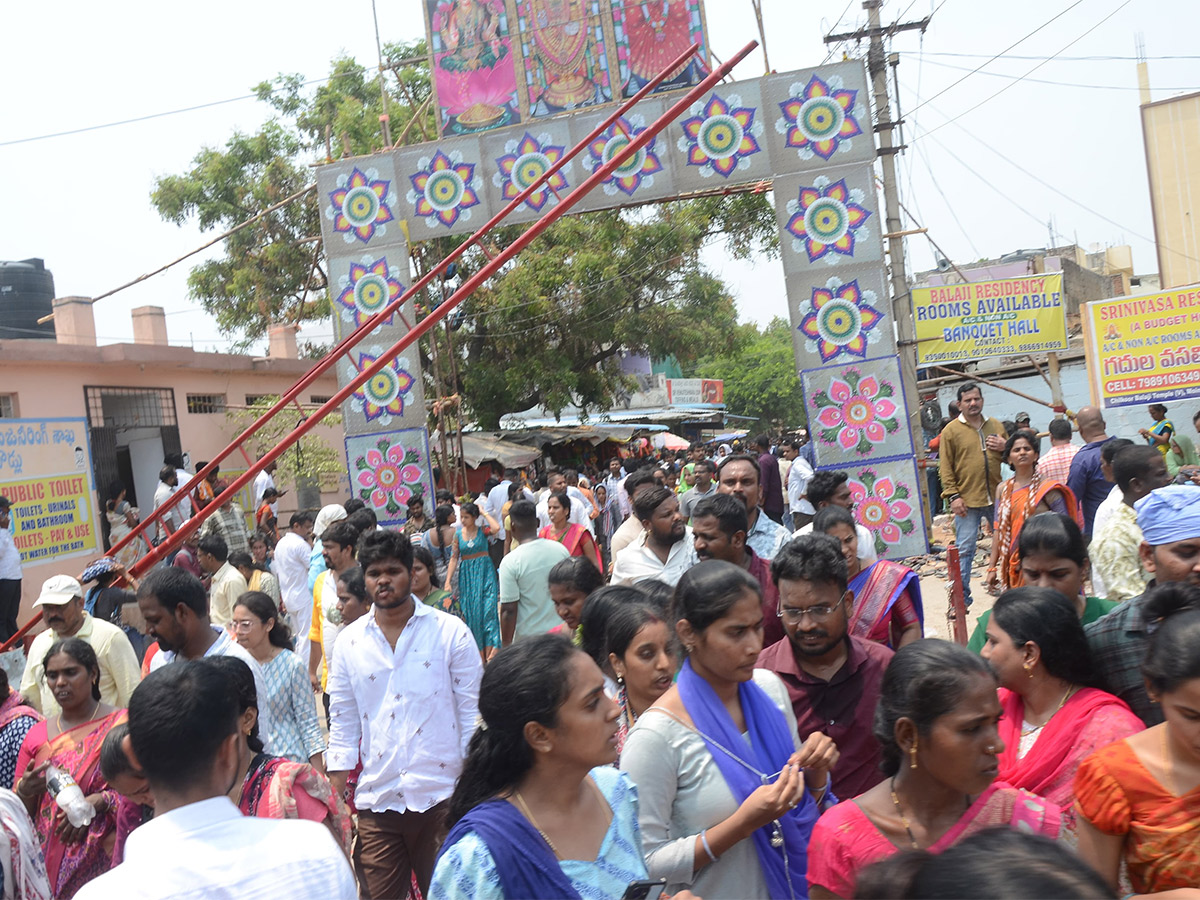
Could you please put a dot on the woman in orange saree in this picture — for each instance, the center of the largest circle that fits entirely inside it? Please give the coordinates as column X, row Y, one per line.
column 1138, row 800
column 1024, row 495
column 71, row 741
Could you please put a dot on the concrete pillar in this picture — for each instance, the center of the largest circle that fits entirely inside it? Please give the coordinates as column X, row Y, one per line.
column 74, row 322
column 281, row 341
column 150, row 325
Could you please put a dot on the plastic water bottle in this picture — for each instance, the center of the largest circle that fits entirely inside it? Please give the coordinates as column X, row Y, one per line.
column 69, row 797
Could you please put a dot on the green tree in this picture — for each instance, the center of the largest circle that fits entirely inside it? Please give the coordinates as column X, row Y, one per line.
column 760, row 376
column 310, row 458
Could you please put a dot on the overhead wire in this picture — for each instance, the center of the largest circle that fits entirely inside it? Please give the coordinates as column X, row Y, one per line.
column 1072, row 84
column 1012, row 84
column 997, row 56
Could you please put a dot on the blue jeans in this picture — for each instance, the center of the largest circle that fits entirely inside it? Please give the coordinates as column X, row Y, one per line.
column 966, row 536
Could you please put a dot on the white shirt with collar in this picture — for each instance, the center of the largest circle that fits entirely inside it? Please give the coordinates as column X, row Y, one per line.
column 224, row 645
column 579, row 511
column 406, row 713
column 637, row 562
column 798, row 478
column 183, row 484
column 496, row 499
column 210, row 851
column 10, row 557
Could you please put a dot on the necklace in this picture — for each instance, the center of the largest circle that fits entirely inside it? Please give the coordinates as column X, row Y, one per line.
column 1061, row 703
column 545, row 837
column 903, row 818
column 91, row 715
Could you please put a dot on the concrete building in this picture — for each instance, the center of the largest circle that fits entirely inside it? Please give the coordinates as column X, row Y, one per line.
column 1171, row 131
column 135, row 402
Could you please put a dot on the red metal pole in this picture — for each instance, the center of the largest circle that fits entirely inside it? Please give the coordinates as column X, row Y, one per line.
column 958, row 607
column 465, row 290
column 359, row 333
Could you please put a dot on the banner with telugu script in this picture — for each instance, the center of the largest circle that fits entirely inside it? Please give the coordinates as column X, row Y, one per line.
column 1144, row 349
column 1009, row 317
column 46, row 474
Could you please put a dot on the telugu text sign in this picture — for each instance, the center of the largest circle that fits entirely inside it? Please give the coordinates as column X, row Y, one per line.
column 1144, row 349
column 1010, row 317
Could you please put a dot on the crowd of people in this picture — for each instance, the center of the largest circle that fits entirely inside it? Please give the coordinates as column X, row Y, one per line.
column 694, row 674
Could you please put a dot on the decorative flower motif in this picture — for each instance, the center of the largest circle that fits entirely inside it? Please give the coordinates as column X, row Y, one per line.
column 388, row 476
column 827, row 219
column 370, row 286
column 819, row 118
column 855, row 413
column 524, row 162
column 444, row 189
column 720, row 136
column 636, row 171
column 361, row 205
column 385, row 393
column 882, row 507
column 841, row 319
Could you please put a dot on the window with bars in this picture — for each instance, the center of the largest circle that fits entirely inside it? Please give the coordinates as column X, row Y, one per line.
column 8, row 406
column 199, row 404
column 319, row 399
column 130, row 407
column 261, row 399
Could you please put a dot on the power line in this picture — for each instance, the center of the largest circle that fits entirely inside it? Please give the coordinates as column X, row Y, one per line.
column 1062, row 58
column 1072, row 84
column 998, row 55
column 1012, row 84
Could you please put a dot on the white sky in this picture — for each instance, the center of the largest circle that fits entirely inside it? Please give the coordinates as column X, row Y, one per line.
column 81, row 202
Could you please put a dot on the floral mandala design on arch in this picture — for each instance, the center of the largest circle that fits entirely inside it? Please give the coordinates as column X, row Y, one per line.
column 841, row 320
column 388, row 475
column 361, row 205
column 637, row 171
column 385, row 394
column 720, row 137
column 856, row 413
column 882, row 507
column 444, row 189
column 826, row 220
column 819, row 118
column 524, row 162
column 370, row 286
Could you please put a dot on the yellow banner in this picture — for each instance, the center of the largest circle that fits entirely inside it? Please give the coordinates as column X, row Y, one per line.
column 1144, row 349
column 1010, row 317
column 52, row 516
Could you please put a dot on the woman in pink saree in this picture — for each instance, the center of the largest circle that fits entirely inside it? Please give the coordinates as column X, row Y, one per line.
column 1052, row 720
column 936, row 725
column 71, row 741
column 576, row 538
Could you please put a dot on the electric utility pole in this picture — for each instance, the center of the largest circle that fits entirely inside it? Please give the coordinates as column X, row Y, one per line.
column 902, row 309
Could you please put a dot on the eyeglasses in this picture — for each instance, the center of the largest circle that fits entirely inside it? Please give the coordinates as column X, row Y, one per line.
column 818, row 613
column 243, row 625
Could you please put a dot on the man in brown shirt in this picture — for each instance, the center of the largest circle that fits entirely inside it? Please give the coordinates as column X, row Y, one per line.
column 969, row 466
column 832, row 677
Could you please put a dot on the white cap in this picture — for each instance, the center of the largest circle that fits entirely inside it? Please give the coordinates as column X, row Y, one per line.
column 58, row 591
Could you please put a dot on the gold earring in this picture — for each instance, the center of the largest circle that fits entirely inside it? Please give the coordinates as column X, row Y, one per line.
column 912, row 752
column 1028, row 670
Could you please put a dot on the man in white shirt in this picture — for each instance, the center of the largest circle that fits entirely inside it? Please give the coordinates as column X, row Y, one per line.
column 293, row 554
column 175, row 606
column 184, row 735
column 614, row 490
column 828, row 488
column 631, row 529
column 227, row 583
column 403, row 700
column 799, row 476
column 263, row 480
column 496, row 499
column 10, row 576
column 665, row 550
column 556, row 482
column 183, row 484
column 526, row 607
column 169, row 521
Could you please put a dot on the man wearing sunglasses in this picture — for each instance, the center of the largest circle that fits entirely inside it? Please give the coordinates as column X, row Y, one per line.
column 832, row 677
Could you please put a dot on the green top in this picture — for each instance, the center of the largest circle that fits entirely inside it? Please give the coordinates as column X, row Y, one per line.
column 1094, row 608
column 1186, row 456
column 435, row 598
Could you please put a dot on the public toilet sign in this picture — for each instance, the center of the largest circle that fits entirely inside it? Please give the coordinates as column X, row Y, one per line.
column 1144, row 349
column 1009, row 317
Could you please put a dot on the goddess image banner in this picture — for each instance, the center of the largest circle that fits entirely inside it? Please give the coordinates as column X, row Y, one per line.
column 1144, row 349
column 1009, row 317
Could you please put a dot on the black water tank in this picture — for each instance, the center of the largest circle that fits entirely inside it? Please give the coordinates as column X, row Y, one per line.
column 26, row 295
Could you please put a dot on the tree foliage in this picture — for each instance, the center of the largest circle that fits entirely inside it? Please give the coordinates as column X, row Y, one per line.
column 760, row 376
